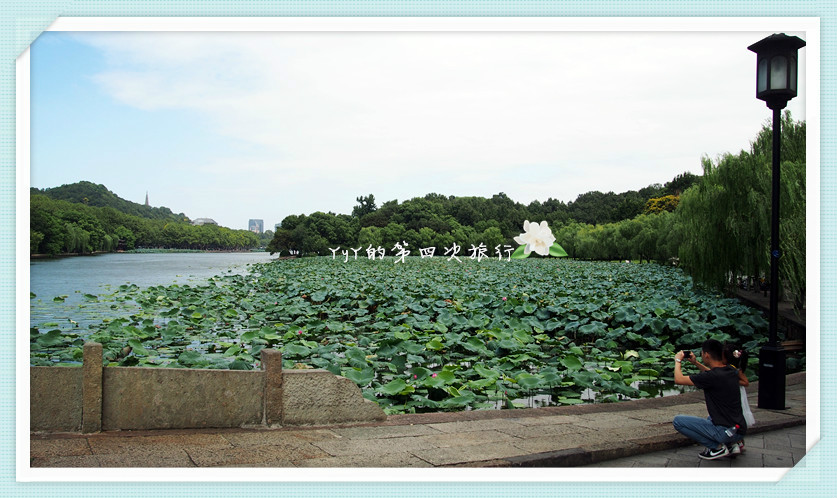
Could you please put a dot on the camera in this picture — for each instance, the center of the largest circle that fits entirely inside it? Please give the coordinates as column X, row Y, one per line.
column 687, row 355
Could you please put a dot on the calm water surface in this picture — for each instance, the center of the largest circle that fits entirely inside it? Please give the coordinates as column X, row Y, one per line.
column 103, row 274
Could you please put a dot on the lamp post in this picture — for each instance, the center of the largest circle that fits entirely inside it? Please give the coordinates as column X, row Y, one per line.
column 776, row 72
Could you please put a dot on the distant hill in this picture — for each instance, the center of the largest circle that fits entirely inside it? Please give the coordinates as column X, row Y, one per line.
column 96, row 195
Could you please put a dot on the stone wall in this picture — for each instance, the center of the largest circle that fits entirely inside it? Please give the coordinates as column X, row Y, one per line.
column 94, row 398
column 55, row 398
column 180, row 398
column 318, row 397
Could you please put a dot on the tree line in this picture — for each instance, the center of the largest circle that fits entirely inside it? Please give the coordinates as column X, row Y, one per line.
column 715, row 225
column 59, row 226
column 439, row 221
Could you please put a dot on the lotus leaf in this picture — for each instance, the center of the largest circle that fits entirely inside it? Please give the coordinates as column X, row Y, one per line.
column 529, row 381
column 51, row 338
column 232, row 350
column 464, row 399
column 571, row 362
column 361, row 377
column 378, row 323
column 434, row 345
column 397, row 387
column 191, row 359
column 240, row 364
column 137, row 348
column 439, row 379
column 296, row 351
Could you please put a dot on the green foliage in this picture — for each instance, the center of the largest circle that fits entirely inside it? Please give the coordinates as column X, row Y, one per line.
column 596, row 208
column 61, row 226
column 725, row 218
column 35, row 239
column 680, row 184
column 792, row 231
column 366, row 205
column 265, row 238
column 440, row 221
column 720, row 229
column 91, row 194
column 426, row 335
column 315, row 234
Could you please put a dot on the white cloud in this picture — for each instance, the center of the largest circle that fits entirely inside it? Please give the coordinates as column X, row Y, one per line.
column 382, row 112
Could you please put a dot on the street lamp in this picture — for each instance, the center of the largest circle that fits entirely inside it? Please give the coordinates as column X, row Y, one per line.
column 776, row 72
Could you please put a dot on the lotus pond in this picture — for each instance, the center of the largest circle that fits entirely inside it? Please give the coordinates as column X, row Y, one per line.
column 424, row 335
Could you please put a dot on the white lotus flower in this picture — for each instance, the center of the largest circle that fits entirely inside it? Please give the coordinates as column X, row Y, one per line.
column 537, row 237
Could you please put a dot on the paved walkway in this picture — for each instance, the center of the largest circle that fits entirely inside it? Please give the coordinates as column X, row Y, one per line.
column 779, row 448
column 636, row 433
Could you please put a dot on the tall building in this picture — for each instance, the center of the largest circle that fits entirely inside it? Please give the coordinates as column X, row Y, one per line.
column 256, row 226
column 146, row 199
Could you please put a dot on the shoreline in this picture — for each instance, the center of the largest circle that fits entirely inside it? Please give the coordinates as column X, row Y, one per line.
column 134, row 251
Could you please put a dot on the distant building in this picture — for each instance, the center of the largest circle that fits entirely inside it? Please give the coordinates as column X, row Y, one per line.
column 146, row 199
column 204, row 221
column 256, row 226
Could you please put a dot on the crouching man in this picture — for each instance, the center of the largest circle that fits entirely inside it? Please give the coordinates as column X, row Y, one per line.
column 719, row 383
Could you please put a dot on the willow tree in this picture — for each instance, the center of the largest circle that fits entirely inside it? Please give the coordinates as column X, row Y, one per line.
column 725, row 218
column 792, row 231
column 726, row 221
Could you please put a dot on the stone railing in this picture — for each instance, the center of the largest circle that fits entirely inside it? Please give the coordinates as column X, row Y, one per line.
column 96, row 398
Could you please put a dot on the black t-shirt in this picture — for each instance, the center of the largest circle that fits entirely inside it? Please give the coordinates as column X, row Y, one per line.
column 723, row 396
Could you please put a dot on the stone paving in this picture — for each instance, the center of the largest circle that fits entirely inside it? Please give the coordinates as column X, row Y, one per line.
column 779, row 448
column 636, row 433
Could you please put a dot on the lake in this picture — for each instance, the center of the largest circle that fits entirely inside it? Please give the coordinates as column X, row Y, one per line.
column 74, row 277
column 74, row 295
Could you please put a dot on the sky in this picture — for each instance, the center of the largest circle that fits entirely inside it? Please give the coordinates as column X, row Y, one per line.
column 239, row 125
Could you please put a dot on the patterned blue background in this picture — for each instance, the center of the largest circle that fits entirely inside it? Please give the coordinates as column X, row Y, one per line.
column 23, row 20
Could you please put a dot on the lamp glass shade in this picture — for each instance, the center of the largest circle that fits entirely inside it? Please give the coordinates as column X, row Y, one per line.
column 779, row 73
column 762, row 76
column 776, row 69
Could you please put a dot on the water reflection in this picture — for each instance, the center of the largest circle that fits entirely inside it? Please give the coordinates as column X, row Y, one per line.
column 78, row 291
column 545, row 398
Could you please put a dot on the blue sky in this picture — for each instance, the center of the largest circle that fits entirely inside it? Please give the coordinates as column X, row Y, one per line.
column 233, row 126
column 79, row 132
